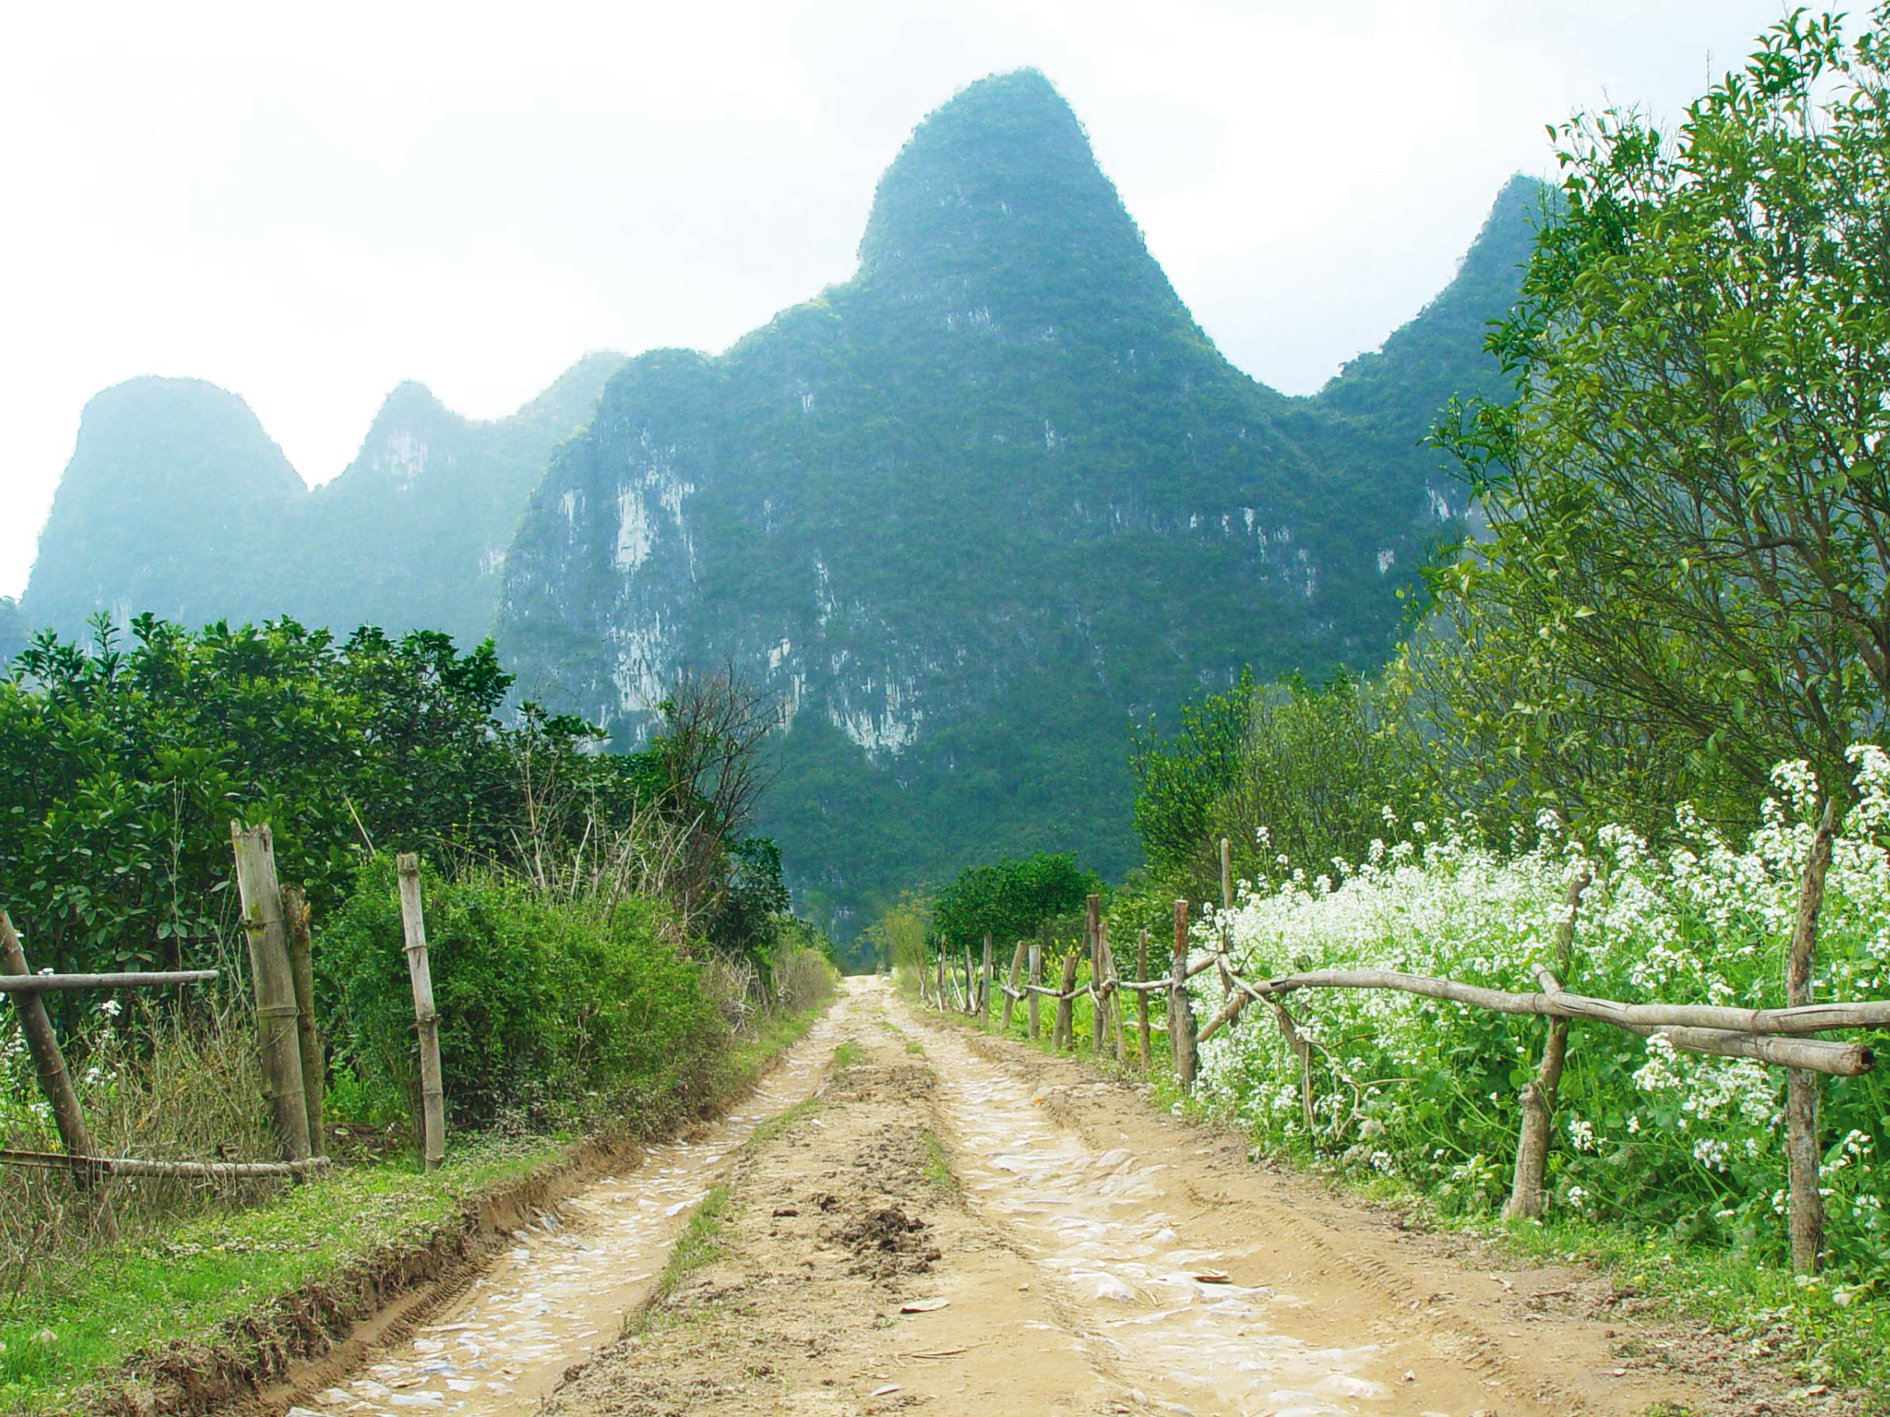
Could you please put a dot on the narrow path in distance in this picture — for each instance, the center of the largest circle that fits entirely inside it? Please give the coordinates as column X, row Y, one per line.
column 964, row 1225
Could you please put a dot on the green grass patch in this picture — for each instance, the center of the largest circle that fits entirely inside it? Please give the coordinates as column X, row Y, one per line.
column 1820, row 1332
column 847, row 1055
column 937, row 1167
column 774, row 1126
column 187, row 1282
column 190, row 1280
column 914, row 1047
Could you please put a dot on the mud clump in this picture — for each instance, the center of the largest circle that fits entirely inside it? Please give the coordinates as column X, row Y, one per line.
column 887, row 1243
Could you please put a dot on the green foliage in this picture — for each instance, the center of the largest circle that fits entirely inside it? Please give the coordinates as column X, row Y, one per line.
column 1008, row 900
column 898, row 936
column 1687, row 500
column 1318, row 770
column 122, row 766
column 553, row 1010
column 1180, row 782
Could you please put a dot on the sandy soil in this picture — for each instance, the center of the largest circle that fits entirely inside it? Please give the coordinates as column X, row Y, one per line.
column 1091, row 1256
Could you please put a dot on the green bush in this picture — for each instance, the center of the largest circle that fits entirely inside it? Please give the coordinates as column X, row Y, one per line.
column 557, row 1011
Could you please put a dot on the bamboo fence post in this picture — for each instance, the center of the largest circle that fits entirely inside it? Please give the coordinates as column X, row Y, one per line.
column 50, row 1064
column 1180, row 1010
column 971, row 985
column 984, row 986
column 302, row 970
column 1036, row 982
column 1526, row 1198
column 1141, row 998
column 1801, row 1087
column 1010, row 1000
column 1066, row 1005
column 1092, row 931
column 426, row 1021
column 276, row 1014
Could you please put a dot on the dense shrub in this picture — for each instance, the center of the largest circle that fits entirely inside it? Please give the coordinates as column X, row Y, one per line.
column 556, row 1010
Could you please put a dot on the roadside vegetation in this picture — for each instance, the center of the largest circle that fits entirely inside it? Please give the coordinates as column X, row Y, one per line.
column 612, row 954
column 1656, row 667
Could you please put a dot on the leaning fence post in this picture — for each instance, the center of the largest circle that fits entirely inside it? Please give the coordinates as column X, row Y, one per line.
column 426, row 1021
column 941, row 976
column 276, row 1014
column 1801, row 1087
column 1017, row 965
column 1065, row 1037
column 1141, row 998
column 1526, row 1197
column 1036, row 982
column 50, row 1064
column 1180, row 1010
column 302, row 971
column 984, row 985
column 1110, row 981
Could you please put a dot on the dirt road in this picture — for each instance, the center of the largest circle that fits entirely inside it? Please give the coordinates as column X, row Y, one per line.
column 1091, row 1256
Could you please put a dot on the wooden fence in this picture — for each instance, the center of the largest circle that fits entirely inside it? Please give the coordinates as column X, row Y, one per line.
column 276, row 925
column 1777, row 1037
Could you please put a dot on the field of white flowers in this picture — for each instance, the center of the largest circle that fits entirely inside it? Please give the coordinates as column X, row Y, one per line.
column 1646, row 1136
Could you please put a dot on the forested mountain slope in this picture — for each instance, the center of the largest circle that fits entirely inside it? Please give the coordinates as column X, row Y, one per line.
column 971, row 514
column 978, row 509
column 178, row 502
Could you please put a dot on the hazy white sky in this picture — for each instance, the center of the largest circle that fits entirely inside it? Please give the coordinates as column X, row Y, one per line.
column 308, row 204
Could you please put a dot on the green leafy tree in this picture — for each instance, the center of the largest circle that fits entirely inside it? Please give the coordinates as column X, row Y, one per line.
column 1689, row 508
column 1008, row 900
column 1180, row 781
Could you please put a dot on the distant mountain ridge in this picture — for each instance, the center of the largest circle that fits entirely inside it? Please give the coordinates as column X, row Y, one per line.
column 177, row 501
column 970, row 514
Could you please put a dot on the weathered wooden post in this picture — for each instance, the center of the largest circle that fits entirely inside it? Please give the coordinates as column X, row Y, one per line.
column 1801, row 1087
column 984, row 986
column 971, row 985
column 1092, row 931
column 1526, row 1195
column 1227, row 904
column 1112, row 993
column 941, row 976
column 50, row 1065
column 1036, row 982
column 1180, row 1010
column 274, row 982
column 302, row 971
column 426, row 1021
column 1141, row 998
column 1066, row 1005
column 1017, row 964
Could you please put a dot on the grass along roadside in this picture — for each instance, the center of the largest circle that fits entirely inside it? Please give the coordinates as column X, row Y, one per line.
column 243, row 1292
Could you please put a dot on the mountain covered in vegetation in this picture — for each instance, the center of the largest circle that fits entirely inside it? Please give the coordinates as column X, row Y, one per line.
column 177, row 502
column 971, row 515
column 975, row 512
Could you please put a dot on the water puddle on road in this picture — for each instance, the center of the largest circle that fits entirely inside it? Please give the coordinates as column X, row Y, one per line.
column 1090, row 1219
column 562, row 1290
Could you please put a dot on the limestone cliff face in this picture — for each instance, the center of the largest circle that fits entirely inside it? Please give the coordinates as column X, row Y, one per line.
column 968, row 515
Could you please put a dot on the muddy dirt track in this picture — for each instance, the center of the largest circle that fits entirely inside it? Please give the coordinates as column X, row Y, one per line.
column 953, row 1224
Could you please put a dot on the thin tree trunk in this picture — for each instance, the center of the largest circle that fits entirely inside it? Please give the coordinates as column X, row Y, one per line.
column 1141, row 999
column 1801, row 1088
column 1017, row 965
column 1527, row 1197
column 1066, row 1005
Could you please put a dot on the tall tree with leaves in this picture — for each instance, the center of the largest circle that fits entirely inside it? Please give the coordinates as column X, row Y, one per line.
column 1688, row 502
